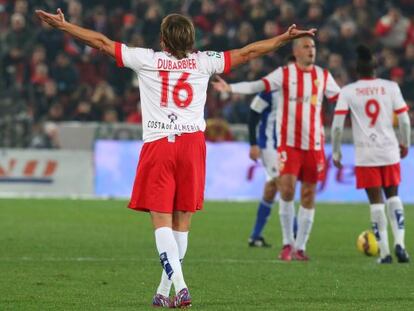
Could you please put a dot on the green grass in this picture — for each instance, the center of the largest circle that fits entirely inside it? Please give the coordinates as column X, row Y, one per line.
column 98, row 255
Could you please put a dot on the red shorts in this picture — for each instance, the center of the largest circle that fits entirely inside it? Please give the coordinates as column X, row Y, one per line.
column 171, row 175
column 306, row 165
column 377, row 176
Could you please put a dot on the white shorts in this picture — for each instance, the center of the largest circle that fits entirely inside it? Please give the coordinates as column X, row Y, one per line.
column 270, row 160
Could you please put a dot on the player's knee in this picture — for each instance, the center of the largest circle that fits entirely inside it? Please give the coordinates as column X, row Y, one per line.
column 391, row 191
column 287, row 192
column 181, row 221
column 269, row 195
column 308, row 197
column 270, row 191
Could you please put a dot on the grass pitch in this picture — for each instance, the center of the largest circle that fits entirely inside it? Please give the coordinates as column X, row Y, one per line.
column 98, row 255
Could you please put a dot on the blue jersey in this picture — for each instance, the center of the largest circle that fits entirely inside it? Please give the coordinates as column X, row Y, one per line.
column 265, row 103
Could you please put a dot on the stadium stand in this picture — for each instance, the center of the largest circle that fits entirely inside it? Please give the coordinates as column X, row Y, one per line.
column 50, row 77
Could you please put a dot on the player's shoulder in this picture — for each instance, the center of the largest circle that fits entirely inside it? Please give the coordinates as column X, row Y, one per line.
column 349, row 87
column 389, row 83
column 144, row 51
column 138, row 53
column 386, row 84
column 206, row 55
column 320, row 69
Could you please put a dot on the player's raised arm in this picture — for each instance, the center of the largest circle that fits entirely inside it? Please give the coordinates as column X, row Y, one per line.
column 263, row 47
column 89, row 37
column 255, row 50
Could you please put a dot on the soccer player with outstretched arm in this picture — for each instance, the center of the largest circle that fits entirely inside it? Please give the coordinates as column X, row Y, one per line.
column 372, row 103
column 170, row 178
column 300, row 137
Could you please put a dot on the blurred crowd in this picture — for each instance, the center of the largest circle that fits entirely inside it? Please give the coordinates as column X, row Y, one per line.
column 56, row 78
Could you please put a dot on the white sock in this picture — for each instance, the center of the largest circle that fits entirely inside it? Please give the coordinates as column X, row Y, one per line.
column 287, row 214
column 395, row 210
column 169, row 257
column 305, row 222
column 379, row 225
column 182, row 241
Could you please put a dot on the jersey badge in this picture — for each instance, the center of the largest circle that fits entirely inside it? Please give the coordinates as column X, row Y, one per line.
column 173, row 117
column 314, row 100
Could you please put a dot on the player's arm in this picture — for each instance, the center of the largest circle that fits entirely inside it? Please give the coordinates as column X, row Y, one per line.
column 271, row 82
column 89, row 37
column 332, row 88
column 341, row 110
column 405, row 133
column 255, row 50
column 253, row 121
column 239, row 88
column 263, row 47
column 401, row 109
column 336, row 136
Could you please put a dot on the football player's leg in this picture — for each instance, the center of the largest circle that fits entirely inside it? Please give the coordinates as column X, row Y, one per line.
column 290, row 163
column 181, row 226
column 168, row 249
column 263, row 212
column 306, row 215
column 269, row 159
column 313, row 171
column 395, row 211
column 287, row 184
column 379, row 220
column 287, row 207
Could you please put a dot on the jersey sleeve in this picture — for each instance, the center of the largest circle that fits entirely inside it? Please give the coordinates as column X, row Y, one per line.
column 273, row 81
column 130, row 57
column 398, row 102
column 215, row 62
column 332, row 89
column 260, row 102
column 342, row 105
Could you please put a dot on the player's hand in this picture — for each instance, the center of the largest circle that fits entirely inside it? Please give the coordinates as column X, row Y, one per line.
column 403, row 151
column 336, row 159
column 254, row 152
column 294, row 33
column 220, row 85
column 54, row 20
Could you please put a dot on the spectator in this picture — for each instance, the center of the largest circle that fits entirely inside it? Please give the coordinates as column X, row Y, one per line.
column 346, row 43
column 57, row 78
column 17, row 43
column 393, row 28
column 65, row 74
column 46, row 136
column 51, row 39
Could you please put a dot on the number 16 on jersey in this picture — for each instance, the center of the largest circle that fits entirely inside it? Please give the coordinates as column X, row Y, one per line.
column 181, row 86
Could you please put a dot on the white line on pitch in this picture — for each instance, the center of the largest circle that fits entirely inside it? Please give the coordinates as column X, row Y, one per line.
column 102, row 259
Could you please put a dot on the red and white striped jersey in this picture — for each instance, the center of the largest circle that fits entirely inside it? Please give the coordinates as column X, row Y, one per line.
column 173, row 92
column 372, row 103
column 299, row 120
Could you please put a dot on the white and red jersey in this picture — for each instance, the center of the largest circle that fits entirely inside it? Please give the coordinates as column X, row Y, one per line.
column 173, row 92
column 373, row 103
column 299, row 120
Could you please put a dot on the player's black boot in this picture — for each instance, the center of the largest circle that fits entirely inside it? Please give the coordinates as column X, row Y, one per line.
column 401, row 254
column 386, row 260
column 258, row 242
